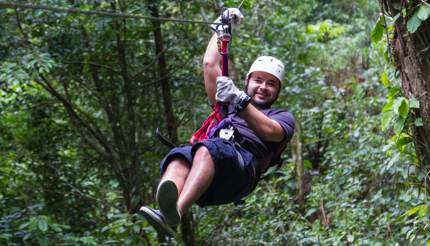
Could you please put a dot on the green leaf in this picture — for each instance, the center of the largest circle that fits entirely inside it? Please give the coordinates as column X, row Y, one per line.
column 401, row 107
column 414, row 103
column 56, row 228
column 384, row 79
column 136, row 228
column 423, row 12
column 42, row 225
column 418, row 122
column 388, row 106
column 392, row 92
column 24, row 226
column 399, row 125
column 307, row 164
column 403, row 140
column 423, row 210
column 311, row 29
column 386, row 119
column 404, row 108
column 378, row 31
column 33, row 224
column 413, row 23
column 88, row 240
column 328, row 130
column 420, row 209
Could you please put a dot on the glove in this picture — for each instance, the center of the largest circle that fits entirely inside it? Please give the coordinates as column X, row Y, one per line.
column 234, row 15
column 227, row 92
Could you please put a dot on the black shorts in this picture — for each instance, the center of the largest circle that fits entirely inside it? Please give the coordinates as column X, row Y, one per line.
column 233, row 180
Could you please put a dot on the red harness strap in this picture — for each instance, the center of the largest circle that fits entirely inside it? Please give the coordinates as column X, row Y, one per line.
column 212, row 120
column 220, row 109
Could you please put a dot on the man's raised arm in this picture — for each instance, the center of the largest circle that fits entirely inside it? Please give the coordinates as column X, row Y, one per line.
column 212, row 58
column 211, row 68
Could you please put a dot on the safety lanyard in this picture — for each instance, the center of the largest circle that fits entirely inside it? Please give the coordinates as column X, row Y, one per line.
column 220, row 110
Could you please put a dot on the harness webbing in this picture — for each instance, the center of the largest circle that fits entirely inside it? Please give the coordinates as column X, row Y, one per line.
column 220, row 109
column 211, row 121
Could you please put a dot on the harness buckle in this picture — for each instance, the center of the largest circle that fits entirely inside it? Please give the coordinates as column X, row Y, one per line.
column 227, row 133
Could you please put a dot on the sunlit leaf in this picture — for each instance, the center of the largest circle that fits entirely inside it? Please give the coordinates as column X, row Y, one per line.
column 418, row 122
column 307, row 164
column 393, row 92
column 386, row 119
column 378, row 31
column 42, row 224
column 423, row 12
column 401, row 107
column 399, row 125
column 413, row 23
column 403, row 140
column 384, row 79
column 414, row 103
column 420, row 209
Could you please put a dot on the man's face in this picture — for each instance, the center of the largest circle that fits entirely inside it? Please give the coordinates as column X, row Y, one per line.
column 263, row 88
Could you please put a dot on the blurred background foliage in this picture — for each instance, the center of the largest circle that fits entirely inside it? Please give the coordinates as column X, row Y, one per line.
column 60, row 186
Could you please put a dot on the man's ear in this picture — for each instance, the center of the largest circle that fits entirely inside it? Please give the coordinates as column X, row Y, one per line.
column 245, row 82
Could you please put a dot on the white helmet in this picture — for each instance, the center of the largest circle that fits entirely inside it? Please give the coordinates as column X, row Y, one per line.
column 268, row 64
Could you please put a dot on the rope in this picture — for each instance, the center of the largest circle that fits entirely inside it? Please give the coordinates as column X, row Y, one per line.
column 6, row 5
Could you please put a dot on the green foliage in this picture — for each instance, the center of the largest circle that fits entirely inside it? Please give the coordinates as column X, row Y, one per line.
column 24, row 227
column 420, row 14
column 357, row 147
column 325, row 30
column 124, row 229
column 378, row 31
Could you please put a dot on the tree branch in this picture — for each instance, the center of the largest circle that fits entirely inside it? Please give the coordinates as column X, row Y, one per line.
column 94, row 64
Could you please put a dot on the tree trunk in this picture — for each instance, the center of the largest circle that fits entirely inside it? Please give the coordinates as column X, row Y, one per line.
column 128, row 154
column 412, row 57
column 164, row 77
column 187, row 228
column 297, row 153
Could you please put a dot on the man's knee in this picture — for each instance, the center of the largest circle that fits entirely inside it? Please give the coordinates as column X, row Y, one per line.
column 178, row 163
column 202, row 152
column 203, row 156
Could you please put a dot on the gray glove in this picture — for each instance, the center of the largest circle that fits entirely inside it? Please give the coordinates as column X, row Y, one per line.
column 235, row 16
column 227, row 92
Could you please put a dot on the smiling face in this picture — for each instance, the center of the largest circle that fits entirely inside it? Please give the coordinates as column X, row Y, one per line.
column 263, row 88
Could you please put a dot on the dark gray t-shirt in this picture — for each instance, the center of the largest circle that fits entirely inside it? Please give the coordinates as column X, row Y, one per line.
column 264, row 151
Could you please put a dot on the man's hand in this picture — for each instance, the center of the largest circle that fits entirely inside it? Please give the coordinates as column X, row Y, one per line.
column 233, row 14
column 227, row 92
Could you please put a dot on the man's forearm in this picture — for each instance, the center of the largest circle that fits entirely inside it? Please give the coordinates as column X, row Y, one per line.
column 263, row 126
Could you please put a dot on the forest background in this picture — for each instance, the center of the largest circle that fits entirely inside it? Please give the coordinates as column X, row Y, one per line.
column 82, row 95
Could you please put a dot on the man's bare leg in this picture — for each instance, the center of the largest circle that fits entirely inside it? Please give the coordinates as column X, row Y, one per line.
column 179, row 188
column 171, row 184
column 198, row 180
column 177, row 171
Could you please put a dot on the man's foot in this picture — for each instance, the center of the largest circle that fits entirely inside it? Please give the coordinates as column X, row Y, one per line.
column 167, row 196
column 156, row 219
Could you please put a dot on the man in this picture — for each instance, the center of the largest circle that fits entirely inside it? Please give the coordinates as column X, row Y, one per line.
column 224, row 170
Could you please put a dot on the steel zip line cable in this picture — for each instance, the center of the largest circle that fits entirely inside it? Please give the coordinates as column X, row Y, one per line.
column 6, row 5
column 240, row 5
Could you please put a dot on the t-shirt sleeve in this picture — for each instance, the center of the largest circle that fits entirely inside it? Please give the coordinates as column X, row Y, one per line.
column 286, row 120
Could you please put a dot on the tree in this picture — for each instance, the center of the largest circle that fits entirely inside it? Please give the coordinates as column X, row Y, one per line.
column 411, row 46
